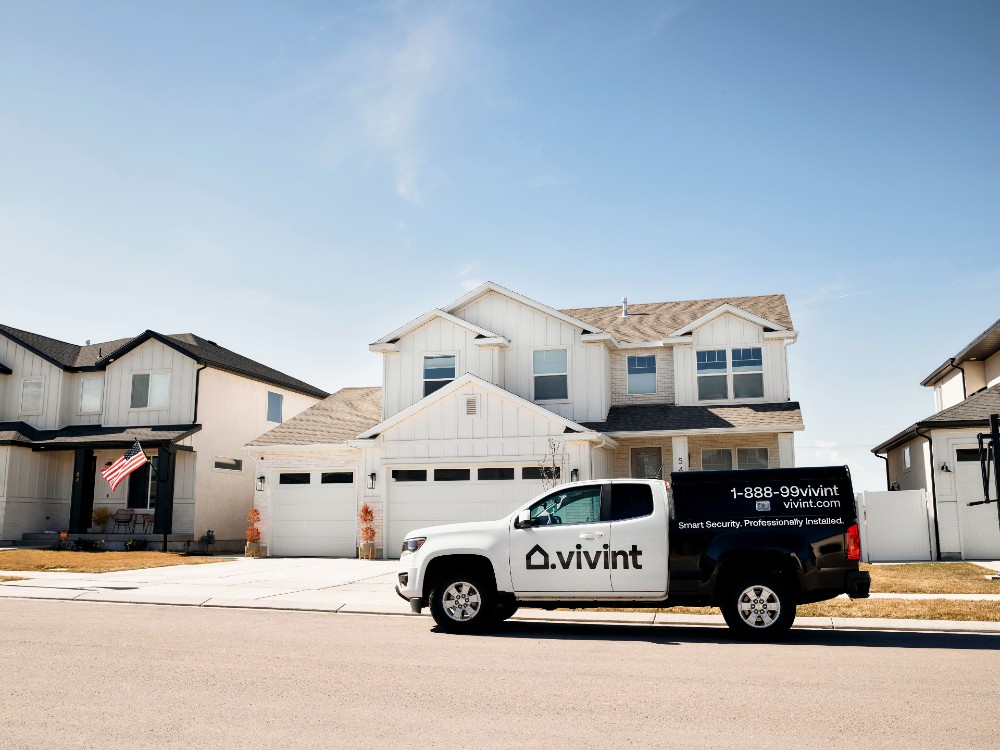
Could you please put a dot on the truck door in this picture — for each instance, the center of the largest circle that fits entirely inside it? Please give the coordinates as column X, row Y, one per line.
column 565, row 551
column 639, row 539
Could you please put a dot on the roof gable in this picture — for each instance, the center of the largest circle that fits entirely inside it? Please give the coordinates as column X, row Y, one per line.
column 481, row 333
column 452, row 388
column 489, row 286
column 727, row 309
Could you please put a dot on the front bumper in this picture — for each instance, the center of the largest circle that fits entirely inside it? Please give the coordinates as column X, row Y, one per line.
column 416, row 603
column 858, row 584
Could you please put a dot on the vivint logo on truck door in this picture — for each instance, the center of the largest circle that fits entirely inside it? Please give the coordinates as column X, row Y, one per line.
column 538, row 559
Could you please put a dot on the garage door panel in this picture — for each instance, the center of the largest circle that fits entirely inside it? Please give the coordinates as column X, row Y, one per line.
column 313, row 520
column 979, row 525
column 415, row 505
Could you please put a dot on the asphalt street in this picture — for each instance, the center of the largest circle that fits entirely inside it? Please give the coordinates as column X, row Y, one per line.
column 82, row 675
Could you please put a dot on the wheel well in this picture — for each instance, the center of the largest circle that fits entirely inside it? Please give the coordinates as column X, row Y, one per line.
column 464, row 563
column 770, row 564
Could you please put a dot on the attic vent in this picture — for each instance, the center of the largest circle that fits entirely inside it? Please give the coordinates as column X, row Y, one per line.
column 471, row 405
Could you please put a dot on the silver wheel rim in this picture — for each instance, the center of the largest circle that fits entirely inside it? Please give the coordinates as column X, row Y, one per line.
column 461, row 601
column 759, row 606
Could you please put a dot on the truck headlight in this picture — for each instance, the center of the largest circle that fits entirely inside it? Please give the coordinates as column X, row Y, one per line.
column 412, row 545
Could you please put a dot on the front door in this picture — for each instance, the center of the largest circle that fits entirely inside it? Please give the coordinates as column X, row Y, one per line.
column 566, row 553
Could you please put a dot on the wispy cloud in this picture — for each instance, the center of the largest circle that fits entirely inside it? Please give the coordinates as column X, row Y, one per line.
column 383, row 88
column 667, row 14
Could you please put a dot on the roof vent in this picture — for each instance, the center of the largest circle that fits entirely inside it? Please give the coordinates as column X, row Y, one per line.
column 471, row 405
column 624, row 307
column 88, row 342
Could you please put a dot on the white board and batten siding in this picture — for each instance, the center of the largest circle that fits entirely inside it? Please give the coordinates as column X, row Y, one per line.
column 25, row 364
column 38, row 487
column 726, row 332
column 529, row 329
column 403, row 370
column 151, row 356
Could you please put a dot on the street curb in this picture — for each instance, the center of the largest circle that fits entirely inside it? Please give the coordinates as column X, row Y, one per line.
column 656, row 619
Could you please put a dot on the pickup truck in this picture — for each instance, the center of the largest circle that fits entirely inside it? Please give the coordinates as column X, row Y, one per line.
column 755, row 543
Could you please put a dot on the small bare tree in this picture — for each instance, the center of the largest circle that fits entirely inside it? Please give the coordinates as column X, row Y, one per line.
column 552, row 465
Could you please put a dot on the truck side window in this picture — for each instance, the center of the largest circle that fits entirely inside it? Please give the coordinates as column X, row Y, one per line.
column 578, row 505
column 630, row 501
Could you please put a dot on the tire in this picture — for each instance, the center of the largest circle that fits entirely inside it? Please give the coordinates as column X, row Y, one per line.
column 758, row 608
column 463, row 602
column 504, row 611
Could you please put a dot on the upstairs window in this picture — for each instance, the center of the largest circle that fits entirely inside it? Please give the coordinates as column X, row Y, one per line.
column 730, row 374
column 31, row 395
column 439, row 370
column 712, row 375
column 91, row 395
column 642, row 374
column 274, row 403
column 551, row 373
column 150, row 390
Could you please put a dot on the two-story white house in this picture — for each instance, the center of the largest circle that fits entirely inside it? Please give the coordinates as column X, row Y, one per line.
column 476, row 392
column 66, row 411
column 940, row 453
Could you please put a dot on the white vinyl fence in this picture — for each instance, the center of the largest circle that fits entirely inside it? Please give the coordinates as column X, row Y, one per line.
column 895, row 526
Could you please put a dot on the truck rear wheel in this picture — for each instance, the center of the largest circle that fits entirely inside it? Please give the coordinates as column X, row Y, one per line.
column 462, row 602
column 758, row 608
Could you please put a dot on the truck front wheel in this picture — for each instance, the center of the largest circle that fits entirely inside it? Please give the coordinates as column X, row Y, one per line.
column 462, row 603
column 758, row 608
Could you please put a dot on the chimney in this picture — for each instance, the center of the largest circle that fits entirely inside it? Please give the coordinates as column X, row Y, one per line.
column 88, row 342
column 624, row 307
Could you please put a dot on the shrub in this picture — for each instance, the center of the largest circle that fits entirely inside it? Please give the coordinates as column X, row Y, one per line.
column 253, row 533
column 135, row 545
column 100, row 516
column 89, row 545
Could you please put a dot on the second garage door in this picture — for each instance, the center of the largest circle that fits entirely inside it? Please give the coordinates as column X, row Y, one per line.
column 312, row 514
column 432, row 496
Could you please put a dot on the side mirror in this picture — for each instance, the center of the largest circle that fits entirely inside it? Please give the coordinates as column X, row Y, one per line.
column 524, row 520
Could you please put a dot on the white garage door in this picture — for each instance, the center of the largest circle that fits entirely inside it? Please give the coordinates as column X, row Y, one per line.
column 312, row 514
column 978, row 524
column 430, row 496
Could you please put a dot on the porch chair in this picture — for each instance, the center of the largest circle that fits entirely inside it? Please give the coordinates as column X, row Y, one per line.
column 123, row 517
column 148, row 521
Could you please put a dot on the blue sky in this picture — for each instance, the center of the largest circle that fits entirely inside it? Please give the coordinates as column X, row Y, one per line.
column 294, row 180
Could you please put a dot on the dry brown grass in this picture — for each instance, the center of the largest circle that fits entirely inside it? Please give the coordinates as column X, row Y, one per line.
column 94, row 562
column 4, row 579
column 931, row 578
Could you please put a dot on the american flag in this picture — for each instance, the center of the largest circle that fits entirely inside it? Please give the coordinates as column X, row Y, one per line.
column 132, row 460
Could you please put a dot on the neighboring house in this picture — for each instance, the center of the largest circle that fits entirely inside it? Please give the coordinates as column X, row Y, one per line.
column 474, row 392
column 66, row 411
column 940, row 454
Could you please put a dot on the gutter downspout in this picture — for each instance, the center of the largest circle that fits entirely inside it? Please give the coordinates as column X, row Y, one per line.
column 965, row 392
column 888, row 484
column 197, row 384
column 937, row 531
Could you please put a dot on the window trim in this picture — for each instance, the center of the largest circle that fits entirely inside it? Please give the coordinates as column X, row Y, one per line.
column 628, row 381
column 730, row 386
column 569, row 389
column 147, row 407
column 41, row 396
column 423, row 369
column 100, row 409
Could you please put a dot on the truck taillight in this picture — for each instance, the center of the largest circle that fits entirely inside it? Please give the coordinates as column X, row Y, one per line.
column 853, row 542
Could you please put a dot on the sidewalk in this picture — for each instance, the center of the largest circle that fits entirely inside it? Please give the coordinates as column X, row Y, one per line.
column 362, row 587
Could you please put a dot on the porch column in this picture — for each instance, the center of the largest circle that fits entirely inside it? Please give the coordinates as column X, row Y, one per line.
column 163, row 516
column 79, row 513
column 786, row 450
column 679, row 450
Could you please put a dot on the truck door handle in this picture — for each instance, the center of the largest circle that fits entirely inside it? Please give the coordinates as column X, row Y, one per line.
column 591, row 535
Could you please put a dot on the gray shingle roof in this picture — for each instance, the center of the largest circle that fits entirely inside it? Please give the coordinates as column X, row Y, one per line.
column 335, row 419
column 974, row 411
column 97, row 356
column 20, row 433
column 657, row 417
column 652, row 321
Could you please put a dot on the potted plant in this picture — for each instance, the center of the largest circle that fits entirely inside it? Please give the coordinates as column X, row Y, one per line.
column 253, row 534
column 366, row 551
column 100, row 519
